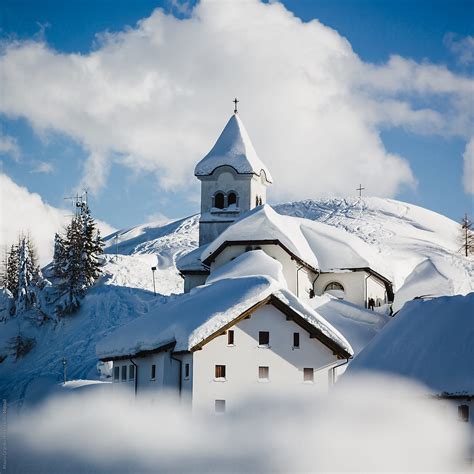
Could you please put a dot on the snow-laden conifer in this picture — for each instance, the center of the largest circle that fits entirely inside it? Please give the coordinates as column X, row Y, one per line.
column 30, row 279
column 76, row 262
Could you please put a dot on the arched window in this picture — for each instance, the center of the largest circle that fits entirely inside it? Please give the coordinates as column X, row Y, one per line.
column 335, row 289
column 231, row 198
column 219, row 200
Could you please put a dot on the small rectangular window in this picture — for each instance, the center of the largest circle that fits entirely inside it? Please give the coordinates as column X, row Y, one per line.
column 124, row 372
column 131, row 372
column 220, row 406
column 186, row 371
column 117, row 373
column 296, row 340
column 230, row 338
column 263, row 373
column 308, row 374
column 220, row 372
column 153, row 372
column 263, row 338
column 463, row 413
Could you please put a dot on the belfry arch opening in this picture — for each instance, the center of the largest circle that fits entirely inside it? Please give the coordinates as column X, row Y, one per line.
column 232, row 198
column 219, row 200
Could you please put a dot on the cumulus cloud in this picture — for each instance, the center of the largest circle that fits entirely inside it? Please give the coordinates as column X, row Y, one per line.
column 463, row 48
column 158, row 95
column 9, row 146
column 25, row 212
column 370, row 425
column 468, row 176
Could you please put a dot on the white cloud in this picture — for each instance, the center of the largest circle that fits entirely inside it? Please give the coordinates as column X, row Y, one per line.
column 463, row 48
column 159, row 94
column 159, row 218
column 25, row 212
column 468, row 176
column 9, row 146
column 45, row 167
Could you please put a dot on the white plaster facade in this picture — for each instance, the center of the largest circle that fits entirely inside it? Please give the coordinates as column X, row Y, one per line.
column 192, row 375
column 359, row 286
column 243, row 359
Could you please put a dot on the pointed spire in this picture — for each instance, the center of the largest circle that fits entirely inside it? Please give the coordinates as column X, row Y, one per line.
column 233, row 148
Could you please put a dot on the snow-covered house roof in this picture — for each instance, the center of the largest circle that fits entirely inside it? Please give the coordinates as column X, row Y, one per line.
column 233, row 148
column 191, row 262
column 429, row 341
column 190, row 320
column 318, row 245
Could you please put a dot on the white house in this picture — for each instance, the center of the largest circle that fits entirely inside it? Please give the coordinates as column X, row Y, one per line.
column 251, row 319
column 243, row 332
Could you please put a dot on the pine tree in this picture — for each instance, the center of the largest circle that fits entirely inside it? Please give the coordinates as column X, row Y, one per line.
column 76, row 261
column 12, row 270
column 92, row 248
column 466, row 236
column 59, row 256
column 30, row 278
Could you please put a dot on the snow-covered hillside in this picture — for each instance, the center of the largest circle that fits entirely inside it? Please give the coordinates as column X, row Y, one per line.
column 418, row 245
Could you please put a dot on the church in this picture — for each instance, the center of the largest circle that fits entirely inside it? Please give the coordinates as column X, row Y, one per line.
column 268, row 303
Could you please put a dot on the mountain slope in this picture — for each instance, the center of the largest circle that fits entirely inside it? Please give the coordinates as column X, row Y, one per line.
column 417, row 244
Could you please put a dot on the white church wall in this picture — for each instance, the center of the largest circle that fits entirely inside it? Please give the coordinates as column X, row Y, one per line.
column 353, row 283
column 299, row 279
column 242, row 361
column 376, row 290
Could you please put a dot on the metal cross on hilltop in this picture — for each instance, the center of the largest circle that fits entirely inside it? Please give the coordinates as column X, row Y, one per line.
column 360, row 189
column 235, row 101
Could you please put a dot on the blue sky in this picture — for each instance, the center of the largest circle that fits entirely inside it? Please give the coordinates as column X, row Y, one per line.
column 51, row 162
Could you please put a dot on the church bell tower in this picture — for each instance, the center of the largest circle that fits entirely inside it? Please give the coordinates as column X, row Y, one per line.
column 233, row 180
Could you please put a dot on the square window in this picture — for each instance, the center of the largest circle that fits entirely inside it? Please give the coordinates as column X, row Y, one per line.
column 124, row 372
column 230, row 337
column 263, row 373
column 186, row 371
column 153, row 372
column 220, row 372
column 116, row 373
column 296, row 340
column 220, row 406
column 263, row 338
column 131, row 372
column 308, row 373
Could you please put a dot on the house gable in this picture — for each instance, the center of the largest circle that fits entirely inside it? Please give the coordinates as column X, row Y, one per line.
column 291, row 315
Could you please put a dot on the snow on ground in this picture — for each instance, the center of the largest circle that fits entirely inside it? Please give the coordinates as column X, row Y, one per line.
column 358, row 325
column 419, row 246
column 428, row 341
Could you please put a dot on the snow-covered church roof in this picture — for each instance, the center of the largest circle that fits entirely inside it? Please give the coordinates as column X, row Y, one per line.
column 319, row 245
column 233, row 148
column 428, row 341
column 188, row 320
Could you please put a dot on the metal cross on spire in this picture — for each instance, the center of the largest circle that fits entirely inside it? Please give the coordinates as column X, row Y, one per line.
column 235, row 101
column 360, row 189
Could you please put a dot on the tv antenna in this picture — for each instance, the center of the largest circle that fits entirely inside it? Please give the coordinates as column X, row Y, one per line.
column 78, row 202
